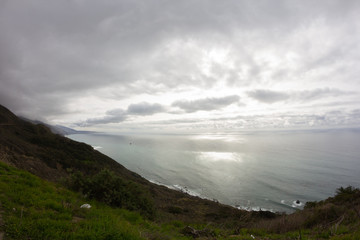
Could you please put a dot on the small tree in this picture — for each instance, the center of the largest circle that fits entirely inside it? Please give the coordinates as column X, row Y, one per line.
column 346, row 194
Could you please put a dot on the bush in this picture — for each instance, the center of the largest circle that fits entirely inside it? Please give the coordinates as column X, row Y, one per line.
column 175, row 210
column 113, row 190
column 346, row 194
column 310, row 205
column 323, row 215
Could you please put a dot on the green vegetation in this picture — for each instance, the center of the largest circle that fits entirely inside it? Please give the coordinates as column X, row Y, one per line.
column 113, row 190
column 33, row 208
column 347, row 194
column 36, row 209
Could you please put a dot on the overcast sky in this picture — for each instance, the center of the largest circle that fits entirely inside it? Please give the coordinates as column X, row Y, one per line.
column 156, row 65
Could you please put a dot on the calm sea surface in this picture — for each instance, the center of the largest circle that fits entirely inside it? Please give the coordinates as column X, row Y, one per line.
column 249, row 170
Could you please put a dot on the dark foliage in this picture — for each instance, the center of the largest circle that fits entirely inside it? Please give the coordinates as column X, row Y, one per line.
column 112, row 189
column 347, row 194
column 175, row 210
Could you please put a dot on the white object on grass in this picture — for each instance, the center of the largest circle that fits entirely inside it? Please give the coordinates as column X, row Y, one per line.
column 86, row 205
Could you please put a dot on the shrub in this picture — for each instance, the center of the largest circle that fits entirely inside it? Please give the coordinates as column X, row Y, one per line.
column 310, row 205
column 346, row 194
column 175, row 210
column 113, row 190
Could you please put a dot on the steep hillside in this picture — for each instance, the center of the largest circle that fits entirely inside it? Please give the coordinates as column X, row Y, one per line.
column 53, row 157
column 36, row 149
column 32, row 208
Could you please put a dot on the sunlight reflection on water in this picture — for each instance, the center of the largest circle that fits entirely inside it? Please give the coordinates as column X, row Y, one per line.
column 221, row 137
column 219, row 156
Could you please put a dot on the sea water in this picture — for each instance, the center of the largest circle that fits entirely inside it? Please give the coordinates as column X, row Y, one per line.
column 265, row 170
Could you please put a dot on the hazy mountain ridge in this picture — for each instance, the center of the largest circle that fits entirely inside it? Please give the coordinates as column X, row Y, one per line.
column 57, row 129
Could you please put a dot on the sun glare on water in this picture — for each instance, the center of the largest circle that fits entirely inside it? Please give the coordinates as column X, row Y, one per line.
column 219, row 156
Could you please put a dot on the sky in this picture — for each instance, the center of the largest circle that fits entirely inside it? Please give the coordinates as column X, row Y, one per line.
column 190, row 65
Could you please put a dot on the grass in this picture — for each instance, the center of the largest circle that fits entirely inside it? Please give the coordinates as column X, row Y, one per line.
column 33, row 208
column 36, row 209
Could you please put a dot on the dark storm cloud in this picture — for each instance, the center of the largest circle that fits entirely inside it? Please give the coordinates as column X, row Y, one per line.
column 205, row 104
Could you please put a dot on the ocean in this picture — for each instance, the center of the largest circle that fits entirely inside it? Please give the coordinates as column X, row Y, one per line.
column 277, row 171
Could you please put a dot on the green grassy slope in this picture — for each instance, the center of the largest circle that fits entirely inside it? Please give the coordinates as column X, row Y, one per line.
column 33, row 208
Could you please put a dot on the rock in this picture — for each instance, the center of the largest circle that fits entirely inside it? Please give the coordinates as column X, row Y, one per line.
column 189, row 231
column 86, row 205
column 192, row 232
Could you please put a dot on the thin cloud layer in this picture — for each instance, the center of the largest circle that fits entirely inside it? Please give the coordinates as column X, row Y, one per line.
column 63, row 61
column 112, row 116
column 206, row 104
column 145, row 108
column 268, row 96
column 118, row 115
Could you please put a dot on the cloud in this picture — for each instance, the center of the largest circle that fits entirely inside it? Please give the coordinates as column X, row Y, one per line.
column 118, row 115
column 59, row 59
column 318, row 93
column 292, row 120
column 268, row 96
column 145, row 108
column 112, row 116
column 205, row 104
